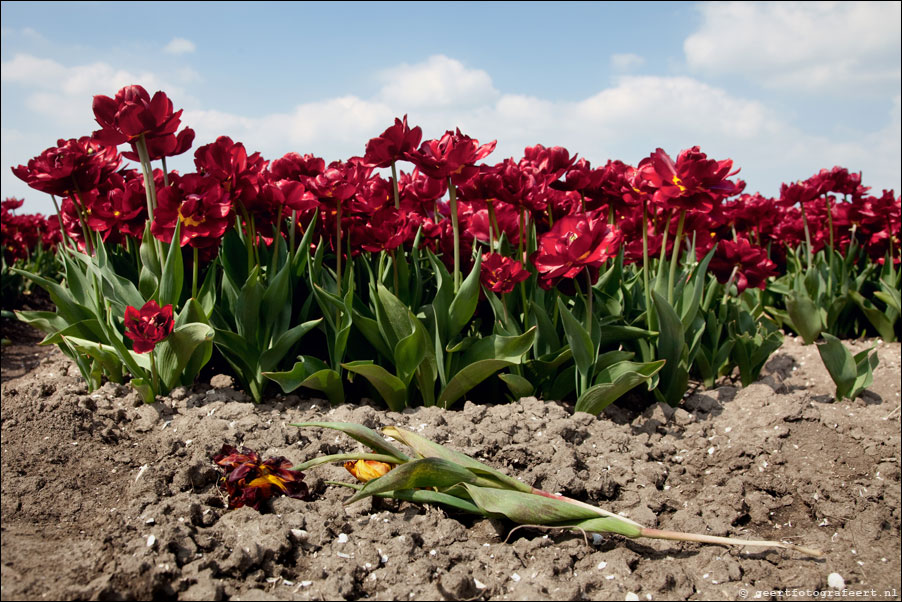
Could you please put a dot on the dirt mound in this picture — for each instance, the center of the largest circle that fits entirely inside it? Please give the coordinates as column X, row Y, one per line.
column 106, row 498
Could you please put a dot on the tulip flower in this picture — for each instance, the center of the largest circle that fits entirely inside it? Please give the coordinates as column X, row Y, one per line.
column 71, row 167
column 574, row 242
column 250, row 482
column 148, row 326
column 202, row 207
column 367, row 470
column 744, row 263
column 393, row 144
column 501, row 274
column 133, row 115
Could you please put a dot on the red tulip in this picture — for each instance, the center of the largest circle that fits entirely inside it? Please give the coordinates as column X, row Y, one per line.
column 148, row 326
column 133, row 114
column 501, row 274
column 393, row 144
column 69, row 167
column 751, row 265
column 573, row 243
column 454, row 155
column 200, row 204
column 250, row 482
column 694, row 182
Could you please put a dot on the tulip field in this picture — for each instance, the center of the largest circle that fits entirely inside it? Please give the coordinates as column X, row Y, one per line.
column 537, row 276
column 589, row 349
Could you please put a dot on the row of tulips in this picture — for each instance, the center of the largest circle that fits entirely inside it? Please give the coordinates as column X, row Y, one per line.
column 29, row 243
column 564, row 280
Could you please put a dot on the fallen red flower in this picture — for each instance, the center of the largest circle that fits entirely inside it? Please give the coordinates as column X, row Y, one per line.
column 250, row 482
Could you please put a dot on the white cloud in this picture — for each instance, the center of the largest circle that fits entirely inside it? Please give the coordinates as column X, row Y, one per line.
column 626, row 120
column 626, row 61
column 179, row 46
column 800, row 45
column 437, row 82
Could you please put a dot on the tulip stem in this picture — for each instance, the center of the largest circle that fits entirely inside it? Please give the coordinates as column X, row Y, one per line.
column 726, row 541
column 809, row 254
column 65, row 235
column 675, row 256
column 194, row 274
column 338, row 250
column 646, row 266
column 394, row 185
column 150, row 190
column 153, row 373
column 456, row 233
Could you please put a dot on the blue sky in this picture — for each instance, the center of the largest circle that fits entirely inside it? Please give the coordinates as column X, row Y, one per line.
column 783, row 89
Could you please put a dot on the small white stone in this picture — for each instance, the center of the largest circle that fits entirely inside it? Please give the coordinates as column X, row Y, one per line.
column 515, row 577
column 836, row 581
column 151, row 540
column 479, row 584
column 343, row 555
column 601, row 565
column 306, row 583
column 632, row 596
column 342, row 538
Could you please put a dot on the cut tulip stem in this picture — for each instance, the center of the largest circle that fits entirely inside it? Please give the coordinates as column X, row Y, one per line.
column 727, row 541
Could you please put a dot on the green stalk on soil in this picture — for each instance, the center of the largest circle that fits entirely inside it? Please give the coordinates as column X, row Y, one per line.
column 440, row 475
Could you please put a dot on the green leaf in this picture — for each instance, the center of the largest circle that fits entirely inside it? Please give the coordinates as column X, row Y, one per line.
column 876, row 317
column 426, row 472
column 617, row 380
column 312, row 373
column 464, row 304
column 176, row 350
column 468, row 377
column 531, row 509
column 517, row 385
column 106, row 356
column 392, row 389
column 805, row 316
column 370, row 330
column 173, row 272
column 194, row 312
column 273, row 356
column 674, row 377
column 147, row 251
column 360, row 433
column 579, row 340
column 691, row 301
column 144, row 389
column 409, row 354
column 423, row 447
column 839, row 363
column 497, row 347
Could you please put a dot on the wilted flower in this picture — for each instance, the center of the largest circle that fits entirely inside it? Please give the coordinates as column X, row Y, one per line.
column 367, row 470
column 250, row 482
column 148, row 326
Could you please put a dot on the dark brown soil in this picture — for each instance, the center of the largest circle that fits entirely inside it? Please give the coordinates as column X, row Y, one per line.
column 106, row 498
